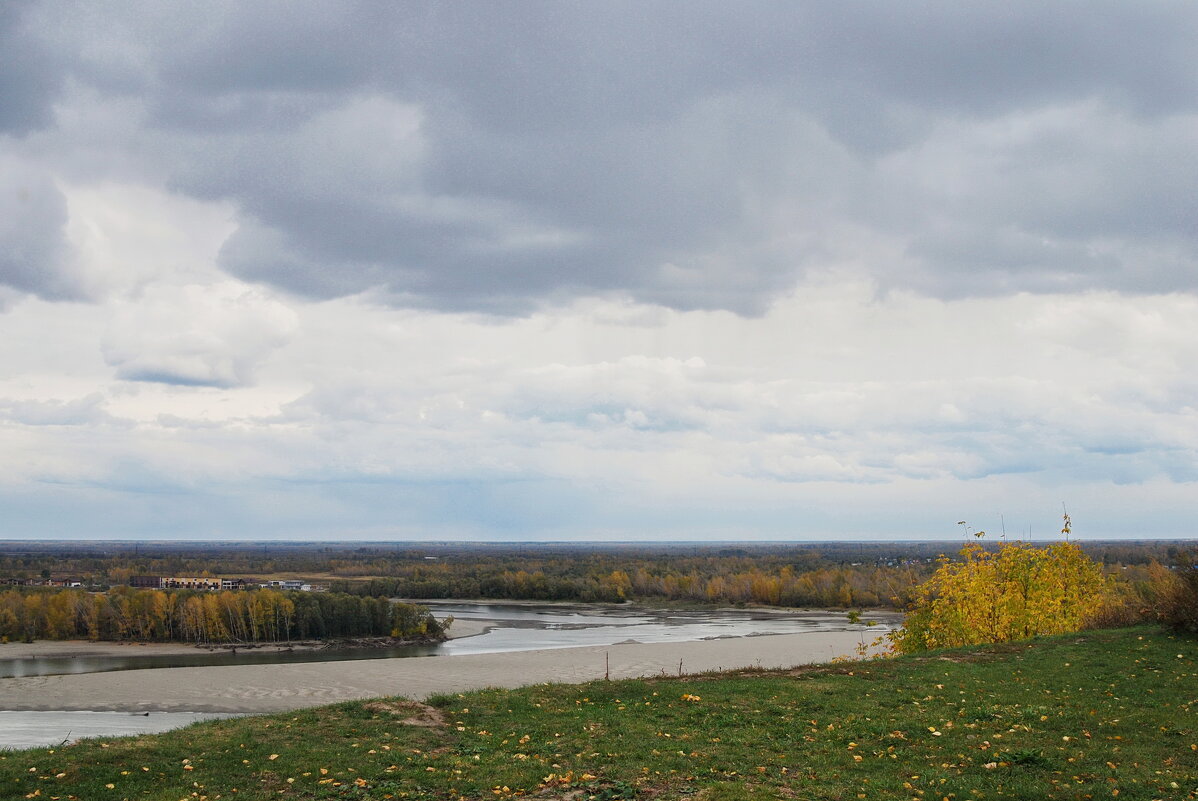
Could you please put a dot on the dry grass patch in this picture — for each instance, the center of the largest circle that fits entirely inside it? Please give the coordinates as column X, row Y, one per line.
column 411, row 713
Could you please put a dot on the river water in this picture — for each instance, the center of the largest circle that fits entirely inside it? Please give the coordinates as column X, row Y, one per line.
column 526, row 627
column 509, row 627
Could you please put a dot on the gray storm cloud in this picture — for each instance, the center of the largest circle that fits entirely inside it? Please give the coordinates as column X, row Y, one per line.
column 31, row 72
column 496, row 157
column 34, row 256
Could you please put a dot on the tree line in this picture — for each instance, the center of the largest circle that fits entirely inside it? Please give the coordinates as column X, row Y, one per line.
column 828, row 575
column 108, row 562
column 824, row 587
column 254, row 616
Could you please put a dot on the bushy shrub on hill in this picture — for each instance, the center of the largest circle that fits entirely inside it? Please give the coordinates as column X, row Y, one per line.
column 1012, row 593
column 1177, row 606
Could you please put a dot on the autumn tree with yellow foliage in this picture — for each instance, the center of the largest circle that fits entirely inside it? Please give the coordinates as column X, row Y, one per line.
column 1012, row 593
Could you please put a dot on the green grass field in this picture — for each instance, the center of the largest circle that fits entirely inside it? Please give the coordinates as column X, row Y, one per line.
column 1104, row 714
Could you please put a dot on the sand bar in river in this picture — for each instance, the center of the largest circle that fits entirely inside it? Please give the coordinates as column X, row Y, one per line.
column 275, row 688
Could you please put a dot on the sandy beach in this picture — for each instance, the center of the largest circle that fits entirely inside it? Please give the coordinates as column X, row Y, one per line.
column 275, row 688
column 69, row 648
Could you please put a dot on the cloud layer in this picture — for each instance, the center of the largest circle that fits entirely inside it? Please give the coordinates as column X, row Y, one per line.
column 500, row 157
column 544, row 269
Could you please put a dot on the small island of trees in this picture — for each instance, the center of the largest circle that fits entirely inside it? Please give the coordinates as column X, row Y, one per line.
column 251, row 616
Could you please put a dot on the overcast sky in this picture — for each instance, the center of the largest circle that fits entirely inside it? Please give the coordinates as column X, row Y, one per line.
column 635, row 271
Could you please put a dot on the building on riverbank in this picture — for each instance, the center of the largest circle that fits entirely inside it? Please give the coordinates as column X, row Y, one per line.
column 294, row 585
column 46, row 581
column 191, row 583
column 220, row 583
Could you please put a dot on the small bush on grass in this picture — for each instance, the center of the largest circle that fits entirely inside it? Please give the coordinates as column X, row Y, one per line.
column 1177, row 595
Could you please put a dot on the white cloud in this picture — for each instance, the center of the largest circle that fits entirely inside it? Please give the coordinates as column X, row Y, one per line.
column 129, row 236
column 77, row 412
column 195, row 335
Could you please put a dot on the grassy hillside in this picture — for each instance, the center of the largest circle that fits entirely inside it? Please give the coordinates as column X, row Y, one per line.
column 1107, row 714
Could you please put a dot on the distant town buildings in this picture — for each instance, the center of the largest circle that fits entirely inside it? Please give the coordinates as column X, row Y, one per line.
column 69, row 581
column 214, row 583
column 289, row 584
column 189, row 583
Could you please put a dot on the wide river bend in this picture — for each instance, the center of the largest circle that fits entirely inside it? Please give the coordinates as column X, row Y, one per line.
column 48, row 699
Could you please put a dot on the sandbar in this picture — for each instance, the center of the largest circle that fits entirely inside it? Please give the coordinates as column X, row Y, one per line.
column 61, row 649
column 254, row 689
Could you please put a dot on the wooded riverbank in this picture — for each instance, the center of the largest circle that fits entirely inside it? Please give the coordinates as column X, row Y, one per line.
column 235, row 618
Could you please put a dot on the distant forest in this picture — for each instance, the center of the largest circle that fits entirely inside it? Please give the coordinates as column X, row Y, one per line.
column 253, row 616
column 833, row 575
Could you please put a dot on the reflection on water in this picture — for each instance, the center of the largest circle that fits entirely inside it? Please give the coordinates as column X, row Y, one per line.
column 30, row 729
column 58, row 665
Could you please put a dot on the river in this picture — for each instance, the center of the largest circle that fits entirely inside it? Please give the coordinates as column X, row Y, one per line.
column 506, row 628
